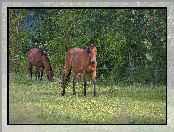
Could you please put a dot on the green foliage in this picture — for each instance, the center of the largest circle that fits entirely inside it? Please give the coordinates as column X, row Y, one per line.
column 131, row 43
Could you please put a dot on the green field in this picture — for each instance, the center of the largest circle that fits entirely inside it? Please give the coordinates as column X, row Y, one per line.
column 40, row 102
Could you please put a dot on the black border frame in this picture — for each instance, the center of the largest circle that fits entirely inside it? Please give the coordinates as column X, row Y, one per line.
column 75, row 8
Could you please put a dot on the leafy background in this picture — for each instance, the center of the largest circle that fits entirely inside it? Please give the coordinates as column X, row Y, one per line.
column 169, row 127
column 131, row 42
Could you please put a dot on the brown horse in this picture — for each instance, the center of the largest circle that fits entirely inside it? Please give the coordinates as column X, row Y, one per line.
column 81, row 61
column 38, row 58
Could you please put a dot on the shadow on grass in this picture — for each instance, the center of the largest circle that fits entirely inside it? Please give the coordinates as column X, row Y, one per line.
column 146, row 121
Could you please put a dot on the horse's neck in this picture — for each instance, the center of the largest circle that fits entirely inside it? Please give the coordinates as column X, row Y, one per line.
column 48, row 67
column 47, row 64
column 86, row 56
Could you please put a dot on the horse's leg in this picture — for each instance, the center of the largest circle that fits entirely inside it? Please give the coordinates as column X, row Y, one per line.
column 84, row 81
column 64, row 80
column 38, row 75
column 94, row 82
column 63, row 84
column 74, row 82
column 37, row 72
column 30, row 69
column 41, row 73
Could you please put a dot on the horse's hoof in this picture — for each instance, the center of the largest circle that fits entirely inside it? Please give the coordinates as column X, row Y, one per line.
column 62, row 94
column 74, row 94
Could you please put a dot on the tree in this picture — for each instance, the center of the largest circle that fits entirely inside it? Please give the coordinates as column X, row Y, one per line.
column 131, row 43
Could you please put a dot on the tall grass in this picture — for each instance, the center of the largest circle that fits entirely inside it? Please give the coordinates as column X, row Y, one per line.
column 40, row 102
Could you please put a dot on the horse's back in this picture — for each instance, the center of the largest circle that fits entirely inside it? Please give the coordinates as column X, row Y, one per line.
column 77, row 59
column 34, row 55
column 33, row 51
column 71, row 53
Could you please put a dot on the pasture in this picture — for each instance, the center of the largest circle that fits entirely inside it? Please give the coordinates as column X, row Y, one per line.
column 40, row 102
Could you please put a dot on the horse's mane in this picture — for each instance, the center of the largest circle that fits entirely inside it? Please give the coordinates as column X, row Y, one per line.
column 88, row 50
column 42, row 52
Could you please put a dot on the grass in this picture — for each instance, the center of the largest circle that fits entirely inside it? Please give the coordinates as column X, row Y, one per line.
column 40, row 102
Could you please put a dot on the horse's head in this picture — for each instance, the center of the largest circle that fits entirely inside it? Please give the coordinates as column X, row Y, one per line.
column 92, row 50
column 50, row 75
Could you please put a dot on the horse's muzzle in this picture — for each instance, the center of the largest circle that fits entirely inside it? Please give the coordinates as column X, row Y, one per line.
column 92, row 61
column 51, row 80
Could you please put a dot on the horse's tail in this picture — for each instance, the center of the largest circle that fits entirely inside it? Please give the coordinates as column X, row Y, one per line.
column 67, row 78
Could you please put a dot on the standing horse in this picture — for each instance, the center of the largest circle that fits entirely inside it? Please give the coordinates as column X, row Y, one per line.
column 81, row 61
column 38, row 58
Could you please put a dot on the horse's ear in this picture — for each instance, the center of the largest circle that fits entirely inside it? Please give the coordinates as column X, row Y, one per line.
column 92, row 45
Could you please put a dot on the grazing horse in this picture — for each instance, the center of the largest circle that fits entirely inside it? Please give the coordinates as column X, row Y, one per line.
column 81, row 61
column 38, row 58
